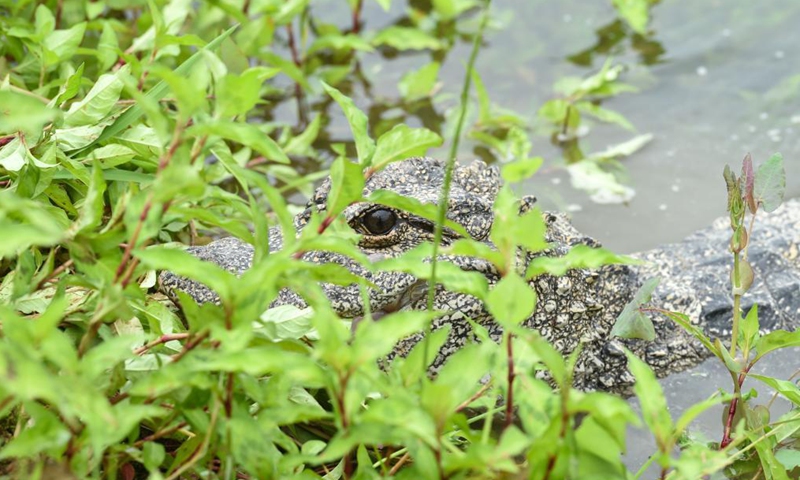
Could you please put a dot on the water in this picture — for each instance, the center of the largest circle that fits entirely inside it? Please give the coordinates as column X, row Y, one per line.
column 717, row 79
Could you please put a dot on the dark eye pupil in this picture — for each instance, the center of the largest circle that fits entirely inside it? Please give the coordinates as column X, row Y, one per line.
column 379, row 222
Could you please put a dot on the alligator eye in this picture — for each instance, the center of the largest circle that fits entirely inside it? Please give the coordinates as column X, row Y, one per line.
column 379, row 222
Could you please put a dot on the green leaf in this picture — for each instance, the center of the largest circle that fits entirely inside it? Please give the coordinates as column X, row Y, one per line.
column 100, row 100
column 655, row 411
column 406, row 38
column 603, row 187
column 63, row 44
column 71, row 87
column 770, row 183
column 605, row 115
column 288, row 68
column 347, row 184
column 107, row 47
column 23, row 113
column 775, row 340
column 686, row 323
column 419, row 83
column 244, row 133
column 583, row 256
column 187, row 265
column 511, row 301
column 412, row 205
column 749, row 331
column 339, row 43
column 365, row 146
column 771, row 467
column 93, row 203
column 238, row 94
column 635, row 13
column 156, row 93
column 632, row 322
column 521, row 169
column 402, row 142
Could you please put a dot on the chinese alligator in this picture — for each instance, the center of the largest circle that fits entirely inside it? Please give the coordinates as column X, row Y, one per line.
column 579, row 307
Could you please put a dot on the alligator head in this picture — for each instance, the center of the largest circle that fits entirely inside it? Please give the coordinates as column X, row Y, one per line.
column 576, row 309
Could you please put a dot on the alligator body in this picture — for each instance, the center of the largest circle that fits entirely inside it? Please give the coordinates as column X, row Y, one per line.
column 578, row 308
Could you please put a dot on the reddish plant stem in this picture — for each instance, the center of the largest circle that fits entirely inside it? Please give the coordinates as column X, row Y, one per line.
column 551, row 462
column 357, row 17
column 58, row 271
column 298, row 89
column 190, row 345
column 511, row 376
column 726, row 434
column 158, row 341
column 162, row 164
column 6, row 139
column 343, row 381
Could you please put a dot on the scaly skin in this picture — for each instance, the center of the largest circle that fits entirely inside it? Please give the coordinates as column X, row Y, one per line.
column 577, row 308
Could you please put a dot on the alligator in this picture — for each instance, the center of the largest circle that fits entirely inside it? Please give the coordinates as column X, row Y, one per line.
column 576, row 309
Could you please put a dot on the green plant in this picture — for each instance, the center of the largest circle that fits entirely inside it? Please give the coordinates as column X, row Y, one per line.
column 127, row 128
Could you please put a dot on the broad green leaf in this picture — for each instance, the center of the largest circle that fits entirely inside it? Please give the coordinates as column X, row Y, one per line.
column 605, row 115
column 244, row 133
column 93, row 203
column 419, row 83
column 623, row 149
column 770, row 466
column 686, row 323
column 347, row 183
column 63, row 44
column 603, row 187
column 238, row 94
column 655, row 411
column 403, row 142
column 775, row 340
column 288, row 68
column 70, row 88
column 412, row 205
column 365, row 146
column 632, row 322
column 187, row 265
column 107, row 47
column 635, row 13
column 340, row 43
column 100, row 100
column 770, row 183
column 23, row 113
column 449, row 9
column 521, row 169
column 511, row 300
column 13, row 156
column 749, row 328
column 406, row 38
column 583, row 256
column 156, row 93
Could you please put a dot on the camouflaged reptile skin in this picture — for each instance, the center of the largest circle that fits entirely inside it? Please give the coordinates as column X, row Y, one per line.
column 577, row 308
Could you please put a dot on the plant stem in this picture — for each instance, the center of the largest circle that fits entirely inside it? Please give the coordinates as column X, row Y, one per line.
column 511, row 375
column 737, row 299
column 448, row 172
column 737, row 392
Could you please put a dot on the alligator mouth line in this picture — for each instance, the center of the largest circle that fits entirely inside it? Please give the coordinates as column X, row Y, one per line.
column 411, row 295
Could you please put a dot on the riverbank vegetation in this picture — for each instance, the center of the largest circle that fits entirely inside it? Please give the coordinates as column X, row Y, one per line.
column 129, row 127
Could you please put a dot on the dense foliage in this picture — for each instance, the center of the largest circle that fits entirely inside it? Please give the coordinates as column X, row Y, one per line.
column 127, row 126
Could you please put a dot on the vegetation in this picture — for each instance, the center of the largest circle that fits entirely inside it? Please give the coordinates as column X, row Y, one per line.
column 127, row 126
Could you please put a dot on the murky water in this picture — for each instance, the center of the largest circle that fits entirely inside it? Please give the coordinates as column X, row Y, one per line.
column 717, row 79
